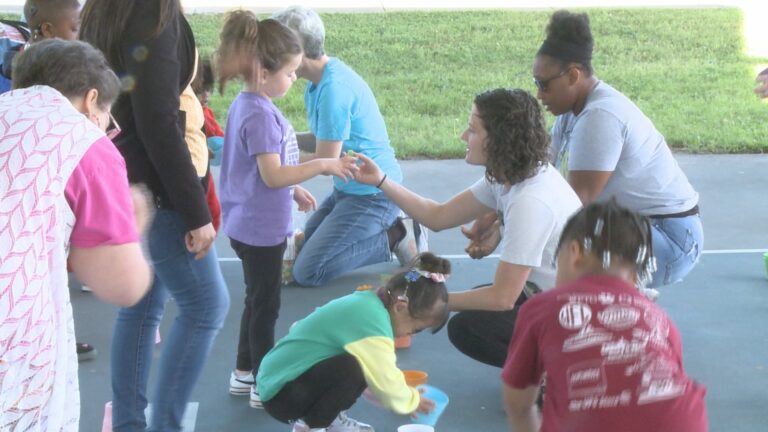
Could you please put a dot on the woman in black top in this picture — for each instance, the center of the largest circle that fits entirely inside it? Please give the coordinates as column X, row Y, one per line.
column 151, row 47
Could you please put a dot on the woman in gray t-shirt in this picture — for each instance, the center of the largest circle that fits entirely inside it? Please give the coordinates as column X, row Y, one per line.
column 606, row 147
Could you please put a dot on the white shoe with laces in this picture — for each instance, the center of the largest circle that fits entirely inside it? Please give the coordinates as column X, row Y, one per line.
column 342, row 423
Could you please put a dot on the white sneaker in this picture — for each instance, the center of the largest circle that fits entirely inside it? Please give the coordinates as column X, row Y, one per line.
column 255, row 398
column 240, row 386
column 342, row 423
column 414, row 241
column 300, row 426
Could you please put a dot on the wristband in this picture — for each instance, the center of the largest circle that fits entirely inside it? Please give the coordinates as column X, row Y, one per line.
column 382, row 181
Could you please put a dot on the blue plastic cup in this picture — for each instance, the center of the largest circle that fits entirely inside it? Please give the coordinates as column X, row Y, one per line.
column 441, row 401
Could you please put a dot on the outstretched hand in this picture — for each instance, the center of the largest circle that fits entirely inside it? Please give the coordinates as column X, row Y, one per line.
column 484, row 236
column 368, row 172
column 344, row 167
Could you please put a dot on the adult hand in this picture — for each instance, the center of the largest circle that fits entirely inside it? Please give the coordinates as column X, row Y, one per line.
column 200, row 240
column 344, row 167
column 762, row 84
column 304, row 199
column 143, row 210
column 368, row 172
column 484, row 236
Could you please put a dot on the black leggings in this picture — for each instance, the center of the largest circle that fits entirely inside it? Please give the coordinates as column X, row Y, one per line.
column 318, row 395
column 485, row 335
column 263, row 274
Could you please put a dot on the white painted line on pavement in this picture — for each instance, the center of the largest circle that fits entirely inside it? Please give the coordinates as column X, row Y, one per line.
column 465, row 256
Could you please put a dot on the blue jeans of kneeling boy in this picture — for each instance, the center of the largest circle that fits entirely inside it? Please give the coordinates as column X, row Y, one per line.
column 677, row 246
column 346, row 232
column 202, row 300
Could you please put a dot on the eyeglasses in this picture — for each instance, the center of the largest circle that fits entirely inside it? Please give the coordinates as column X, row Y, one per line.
column 113, row 129
column 542, row 84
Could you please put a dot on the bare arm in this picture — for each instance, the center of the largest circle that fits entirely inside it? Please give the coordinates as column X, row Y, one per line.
column 277, row 175
column 501, row 296
column 520, row 406
column 118, row 274
column 316, row 149
column 588, row 185
column 460, row 209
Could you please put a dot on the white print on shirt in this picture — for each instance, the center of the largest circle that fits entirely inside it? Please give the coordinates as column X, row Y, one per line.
column 587, row 378
column 597, row 402
column 660, row 389
column 657, row 336
column 575, row 315
column 585, row 338
column 622, row 350
column 618, row 317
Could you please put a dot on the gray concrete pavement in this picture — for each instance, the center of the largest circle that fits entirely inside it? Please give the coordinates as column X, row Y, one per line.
column 720, row 308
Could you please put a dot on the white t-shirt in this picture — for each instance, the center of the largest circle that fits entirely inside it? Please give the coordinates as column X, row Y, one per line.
column 612, row 134
column 534, row 213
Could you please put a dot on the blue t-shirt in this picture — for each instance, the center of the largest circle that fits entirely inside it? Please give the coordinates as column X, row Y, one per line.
column 252, row 212
column 341, row 107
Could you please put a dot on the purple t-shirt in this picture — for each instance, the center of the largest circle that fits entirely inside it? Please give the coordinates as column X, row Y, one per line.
column 254, row 213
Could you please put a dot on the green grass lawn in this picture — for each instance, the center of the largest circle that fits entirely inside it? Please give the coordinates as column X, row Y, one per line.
column 685, row 68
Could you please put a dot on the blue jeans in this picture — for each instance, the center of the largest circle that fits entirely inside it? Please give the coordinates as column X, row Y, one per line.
column 202, row 300
column 346, row 232
column 677, row 246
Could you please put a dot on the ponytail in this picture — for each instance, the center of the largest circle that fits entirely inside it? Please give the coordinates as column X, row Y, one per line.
column 246, row 42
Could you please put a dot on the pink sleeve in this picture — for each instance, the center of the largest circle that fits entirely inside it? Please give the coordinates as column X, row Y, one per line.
column 523, row 368
column 100, row 198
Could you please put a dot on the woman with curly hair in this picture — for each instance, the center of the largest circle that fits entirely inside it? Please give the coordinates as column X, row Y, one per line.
column 506, row 134
column 606, row 147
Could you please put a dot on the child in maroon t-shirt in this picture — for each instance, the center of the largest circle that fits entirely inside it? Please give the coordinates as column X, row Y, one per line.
column 611, row 357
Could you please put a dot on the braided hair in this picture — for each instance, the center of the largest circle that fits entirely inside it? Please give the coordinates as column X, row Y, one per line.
column 613, row 233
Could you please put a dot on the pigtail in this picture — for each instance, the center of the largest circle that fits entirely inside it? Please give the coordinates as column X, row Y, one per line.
column 238, row 46
column 613, row 234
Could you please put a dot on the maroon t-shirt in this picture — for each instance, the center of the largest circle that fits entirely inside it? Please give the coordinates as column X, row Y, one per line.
column 612, row 359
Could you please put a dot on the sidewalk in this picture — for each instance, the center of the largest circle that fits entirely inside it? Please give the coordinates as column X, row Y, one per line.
column 718, row 309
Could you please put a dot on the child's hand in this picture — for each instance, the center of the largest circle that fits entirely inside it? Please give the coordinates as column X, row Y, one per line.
column 304, row 199
column 425, row 405
column 344, row 167
column 368, row 172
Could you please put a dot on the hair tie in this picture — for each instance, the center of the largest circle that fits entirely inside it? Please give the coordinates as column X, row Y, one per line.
column 413, row 275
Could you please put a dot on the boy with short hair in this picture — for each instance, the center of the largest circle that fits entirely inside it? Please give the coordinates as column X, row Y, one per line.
column 53, row 18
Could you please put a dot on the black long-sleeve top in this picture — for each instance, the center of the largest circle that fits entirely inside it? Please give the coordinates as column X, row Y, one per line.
column 156, row 70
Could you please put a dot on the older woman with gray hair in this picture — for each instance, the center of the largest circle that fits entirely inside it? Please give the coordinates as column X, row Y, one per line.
column 66, row 200
column 357, row 224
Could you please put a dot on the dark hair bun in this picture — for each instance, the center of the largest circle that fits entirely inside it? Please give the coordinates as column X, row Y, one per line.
column 432, row 263
column 571, row 27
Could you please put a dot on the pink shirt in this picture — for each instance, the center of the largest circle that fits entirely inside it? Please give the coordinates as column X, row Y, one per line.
column 612, row 359
column 99, row 197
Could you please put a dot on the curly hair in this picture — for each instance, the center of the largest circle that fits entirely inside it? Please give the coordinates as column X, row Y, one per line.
column 517, row 143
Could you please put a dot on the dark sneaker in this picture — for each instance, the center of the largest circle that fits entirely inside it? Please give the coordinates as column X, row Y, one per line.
column 85, row 351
